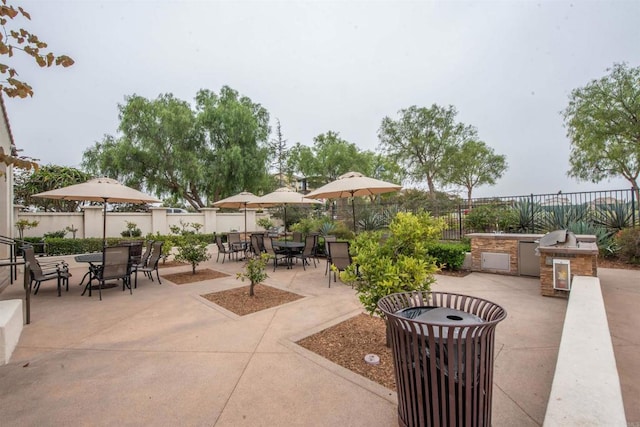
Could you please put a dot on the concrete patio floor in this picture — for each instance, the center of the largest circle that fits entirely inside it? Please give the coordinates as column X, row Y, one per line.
column 166, row 356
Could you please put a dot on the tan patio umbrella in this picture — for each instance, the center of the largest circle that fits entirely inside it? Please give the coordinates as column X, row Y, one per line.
column 353, row 184
column 105, row 190
column 282, row 197
column 239, row 201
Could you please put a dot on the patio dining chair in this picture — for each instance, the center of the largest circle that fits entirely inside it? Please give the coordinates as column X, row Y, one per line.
column 226, row 251
column 235, row 243
column 41, row 271
column 116, row 265
column 151, row 264
column 328, row 239
column 308, row 252
column 273, row 254
column 340, row 258
column 257, row 243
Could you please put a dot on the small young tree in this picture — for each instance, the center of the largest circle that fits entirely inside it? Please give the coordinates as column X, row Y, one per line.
column 254, row 270
column 192, row 251
column 400, row 262
column 25, row 224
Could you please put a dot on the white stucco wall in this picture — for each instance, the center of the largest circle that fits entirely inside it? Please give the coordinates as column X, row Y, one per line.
column 89, row 222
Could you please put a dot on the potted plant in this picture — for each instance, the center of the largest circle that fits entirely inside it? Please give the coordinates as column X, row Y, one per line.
column 254, row 270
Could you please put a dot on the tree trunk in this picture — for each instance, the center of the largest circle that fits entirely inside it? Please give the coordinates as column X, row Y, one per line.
column 251, row 289
column 193, row 268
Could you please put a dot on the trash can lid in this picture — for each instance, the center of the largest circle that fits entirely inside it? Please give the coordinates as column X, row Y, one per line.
column 441, row 316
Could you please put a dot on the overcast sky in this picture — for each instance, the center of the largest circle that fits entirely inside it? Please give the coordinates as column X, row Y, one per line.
column 508, row 67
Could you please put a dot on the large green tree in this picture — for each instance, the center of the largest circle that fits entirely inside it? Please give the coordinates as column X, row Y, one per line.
column 420, row 139
column 236, row 132
column 474, row 164
column 331, row 156
column 49, row 177
column 603, row 124
column 199, row 155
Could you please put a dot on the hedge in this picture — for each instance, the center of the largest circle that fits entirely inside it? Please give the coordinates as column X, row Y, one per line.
column 449, row 256
column 63, row 246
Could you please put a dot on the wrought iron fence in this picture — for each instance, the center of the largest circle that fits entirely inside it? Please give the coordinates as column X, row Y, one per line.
column 589, row 212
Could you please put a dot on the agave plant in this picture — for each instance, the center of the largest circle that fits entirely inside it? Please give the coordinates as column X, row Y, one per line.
column 604, row 238
column 527, row 215
column 561, row 216
column 370, row 221
column 327, row 228
column 614, row 217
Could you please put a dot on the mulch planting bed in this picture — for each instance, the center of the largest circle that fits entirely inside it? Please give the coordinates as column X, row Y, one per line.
column 347, row 343
column 238, row 301
column 186, row 277
column 171, row 264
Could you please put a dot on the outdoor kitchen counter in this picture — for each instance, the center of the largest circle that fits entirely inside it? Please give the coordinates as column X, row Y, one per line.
column 525, row 237
column 590, row 248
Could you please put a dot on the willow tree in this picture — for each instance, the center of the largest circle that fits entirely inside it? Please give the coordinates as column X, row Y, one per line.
column 603, row 124
column 198, row 155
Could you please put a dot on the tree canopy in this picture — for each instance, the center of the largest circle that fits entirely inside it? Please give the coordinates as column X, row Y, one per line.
column 331, row 156
column 420, row 139
column 603, row 124
column 199, row 155
column 49, row 177
column 474, row 164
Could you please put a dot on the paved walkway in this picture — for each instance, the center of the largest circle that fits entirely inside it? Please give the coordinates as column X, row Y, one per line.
column 165, row 356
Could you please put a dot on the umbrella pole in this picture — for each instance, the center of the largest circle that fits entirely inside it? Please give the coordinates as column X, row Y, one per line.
column 353, row 211
column 104, row 224
column 245, row 220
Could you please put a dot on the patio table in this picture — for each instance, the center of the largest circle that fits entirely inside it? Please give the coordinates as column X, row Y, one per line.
column 93, row 260
column 290, row 246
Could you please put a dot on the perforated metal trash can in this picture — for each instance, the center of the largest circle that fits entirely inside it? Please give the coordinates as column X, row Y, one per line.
column 443, row 348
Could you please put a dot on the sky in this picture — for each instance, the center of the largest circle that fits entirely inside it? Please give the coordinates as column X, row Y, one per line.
column 508, row 67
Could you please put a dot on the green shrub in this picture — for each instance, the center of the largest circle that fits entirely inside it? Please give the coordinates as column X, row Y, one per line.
column 193, row 251
column 398, row 263
column 628, row 242
column 265, row 223
column 448, row 256
column 61, row 246
column 56, row 234
column 342, row 231
column 36, row 242
column 132, row 230
column 306, row 226
column 491, row 217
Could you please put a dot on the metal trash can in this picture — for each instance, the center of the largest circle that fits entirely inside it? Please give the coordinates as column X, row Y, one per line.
column 443, row 348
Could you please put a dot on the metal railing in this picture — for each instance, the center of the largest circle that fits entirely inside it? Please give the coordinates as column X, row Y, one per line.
column 586, row 211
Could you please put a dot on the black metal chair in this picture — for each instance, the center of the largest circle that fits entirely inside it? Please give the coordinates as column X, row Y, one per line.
column 116, row 265
column 328, row 239
column 144, row 259
column 151, row 264
column 46, row 270
column 273, row 254
column 257, row 244
column 226, row 251
column 340, row 258
column 308, row 252
column 235, row 243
